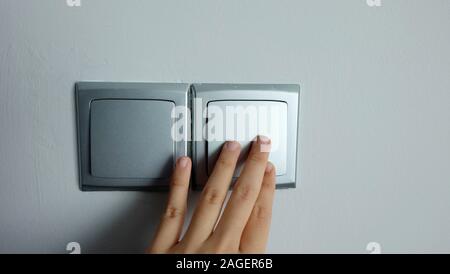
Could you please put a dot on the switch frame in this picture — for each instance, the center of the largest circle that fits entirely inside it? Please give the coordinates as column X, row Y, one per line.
column 288, row 93
column 86, row 92
column 181, row 94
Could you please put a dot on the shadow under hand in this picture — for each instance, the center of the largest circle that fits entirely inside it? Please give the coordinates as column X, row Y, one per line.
column 133, row 230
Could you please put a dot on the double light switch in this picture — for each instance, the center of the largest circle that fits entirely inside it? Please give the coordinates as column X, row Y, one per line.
column 130, row 134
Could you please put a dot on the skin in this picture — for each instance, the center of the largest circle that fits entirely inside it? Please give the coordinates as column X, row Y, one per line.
column 244, row 225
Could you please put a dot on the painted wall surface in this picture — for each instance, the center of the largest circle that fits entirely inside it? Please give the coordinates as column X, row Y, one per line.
column 374, row 126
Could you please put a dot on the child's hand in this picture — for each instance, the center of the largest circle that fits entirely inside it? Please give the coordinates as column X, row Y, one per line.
column 245, row 222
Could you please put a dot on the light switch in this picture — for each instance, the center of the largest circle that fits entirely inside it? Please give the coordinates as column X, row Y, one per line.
column 243, row 121
column 265, row 109
column 125, row 134
column 131, row 139
column 131, row 134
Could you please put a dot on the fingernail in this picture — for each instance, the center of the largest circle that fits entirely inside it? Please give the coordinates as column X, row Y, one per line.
column 232, row 145
column 269, row 167
column 263, row 140
column 183, row 162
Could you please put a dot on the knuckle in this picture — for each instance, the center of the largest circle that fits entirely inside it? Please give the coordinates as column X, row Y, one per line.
column 262, row 212
column 245, row 192
column 212, row 196
column 173, row 212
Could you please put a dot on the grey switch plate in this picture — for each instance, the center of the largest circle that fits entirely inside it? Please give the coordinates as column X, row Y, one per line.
column 124, row 134
column 204, row 153
column 125, row 131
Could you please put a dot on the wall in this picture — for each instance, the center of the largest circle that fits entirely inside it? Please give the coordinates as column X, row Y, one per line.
column 374, row 126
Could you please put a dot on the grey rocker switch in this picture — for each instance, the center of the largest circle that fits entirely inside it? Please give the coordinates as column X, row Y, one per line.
column 127, row 141
column 241, row 112
column 125, row 137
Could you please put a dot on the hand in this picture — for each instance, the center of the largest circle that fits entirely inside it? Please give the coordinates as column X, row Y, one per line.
column 244, row 225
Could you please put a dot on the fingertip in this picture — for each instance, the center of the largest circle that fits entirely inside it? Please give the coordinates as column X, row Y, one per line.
column 183, row 162
column 232, row 146
column 269, row 167
column 181, row 172
column 263, row 140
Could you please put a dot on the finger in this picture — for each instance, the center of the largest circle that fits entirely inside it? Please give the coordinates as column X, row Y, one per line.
column 213, row 195
column 256, row 232
column 245, row 192
column 169, row 230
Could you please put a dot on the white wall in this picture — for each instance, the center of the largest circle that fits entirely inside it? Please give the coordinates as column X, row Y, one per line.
column 375, row 112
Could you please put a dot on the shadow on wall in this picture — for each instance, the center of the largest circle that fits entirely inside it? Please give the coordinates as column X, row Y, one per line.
column 133, row 229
